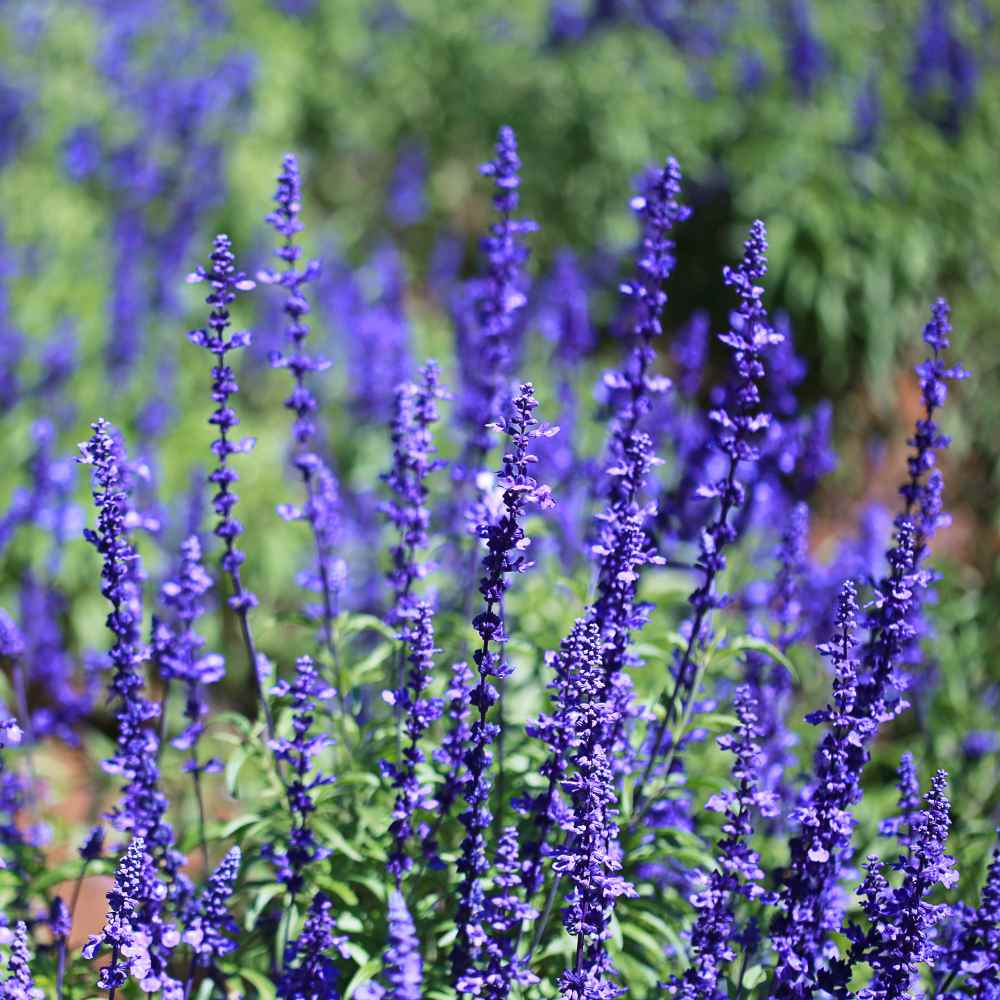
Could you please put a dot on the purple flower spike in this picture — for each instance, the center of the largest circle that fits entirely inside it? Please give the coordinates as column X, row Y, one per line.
column 900, row 935
column 810, row 908
column 737, row 426
column 226, row 282
column 308, row 971
column 20, row 984
column 658, row 211
column 303, row 848
column 739, row 871
column 321, row 494
column 975, row 953
column 418, row 712
column 902, row 826
column 285, row 220
column 413, row 460
column 404, row 967
column 579, row 679
column 451, row 754
column 496, row 301
column 212, row 932
column 623, row 547
column 505, row 914
column 934, row 377
column 177, row 649
column 142, row 807
column 134, row 931
column 506, row 543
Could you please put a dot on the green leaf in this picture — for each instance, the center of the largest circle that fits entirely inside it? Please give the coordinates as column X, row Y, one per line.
column 751, row 642
column 364, row 974
column 265, row 987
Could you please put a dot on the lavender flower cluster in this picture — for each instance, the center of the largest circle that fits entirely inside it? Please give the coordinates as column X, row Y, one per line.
column 327, row 855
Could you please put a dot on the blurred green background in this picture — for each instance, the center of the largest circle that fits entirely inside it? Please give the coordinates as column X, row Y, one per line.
column 877, row 197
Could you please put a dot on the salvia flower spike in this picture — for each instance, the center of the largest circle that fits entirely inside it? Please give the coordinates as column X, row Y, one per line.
column 216, row 338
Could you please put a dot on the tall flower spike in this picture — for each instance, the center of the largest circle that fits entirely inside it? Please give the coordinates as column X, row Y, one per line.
column 658, row 211
column 498, row 300
column 770, row 680
column 404, row 967
column 308, row 972
column 20, row 984
column 418, row 713
column 623, row 546
column 738, row 423
column 142, row 806
column 177, row 650
column 900, row 935
column 579, row 679
column 810, row 908
column 211, row 931
column 298, row 753
column 450, row 755
column 739, row 871
column 506, row 543
column 226, row 281
column 316, row 477
column 903, row 826
column 413, row 460
column 505, row 913
column 922, row 497
column 591, row 862
column 133, row 929
column 975, row 954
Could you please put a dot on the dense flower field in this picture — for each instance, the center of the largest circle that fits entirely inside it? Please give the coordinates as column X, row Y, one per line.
column 563, row 755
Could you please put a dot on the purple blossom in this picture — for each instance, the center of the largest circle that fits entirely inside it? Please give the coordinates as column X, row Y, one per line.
column 975, row 952
column 134, row 931
column 285, row 220
column 418, row 713
column 739, row 871
column 451, row 754
column 934, row 377
column 308, row 972
column 142, row 806
column 19, row 983
column 737, row 425
column 298, row 753
column 404, row 967
column 413, row 460
column 809, row 904
column 658, row 212
column 944, row 75
column 805, row 54
column 623, row 546
column 497, row 300
column 771, row 680
column 591, row 861
column 226, row 282
column 406, row 198
column 579, row 679
column 211, row 930
column 900, row 935
column 505, row 914
column 506, row 542
column 321, row 503
column 902, row 827
column 81, row 151
column 177, row 651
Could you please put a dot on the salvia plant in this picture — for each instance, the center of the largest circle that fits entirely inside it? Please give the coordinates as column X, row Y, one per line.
column 581, row 715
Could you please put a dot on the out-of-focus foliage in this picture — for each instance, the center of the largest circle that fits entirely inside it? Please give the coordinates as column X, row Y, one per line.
column 876, row 176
